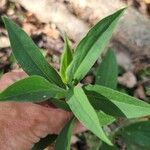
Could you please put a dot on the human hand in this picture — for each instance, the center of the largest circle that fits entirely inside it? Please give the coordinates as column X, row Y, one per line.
column 23, row 123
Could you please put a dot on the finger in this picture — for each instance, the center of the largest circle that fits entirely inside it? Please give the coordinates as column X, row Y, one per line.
column 11, row 77
column 23, row 124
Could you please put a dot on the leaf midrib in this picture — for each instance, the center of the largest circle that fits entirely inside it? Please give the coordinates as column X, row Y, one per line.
column 31, row 56
column 102, row 33
column 46, row 90
column 112, row 100
column 83, row 108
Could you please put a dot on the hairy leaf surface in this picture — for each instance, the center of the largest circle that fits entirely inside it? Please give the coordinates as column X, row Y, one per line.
column 136, row 135
column 83, row 110
column 100, row 102
column 60, row 104
column 28, row 54
column 130, row 106
column 64, row 138
column 107, row 71
column 91, row 46
column 33, row 89
column 104, row 118
column 65, row 59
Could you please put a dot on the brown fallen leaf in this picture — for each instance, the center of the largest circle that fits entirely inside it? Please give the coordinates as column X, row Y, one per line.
column 51, row 31
column 29, row 28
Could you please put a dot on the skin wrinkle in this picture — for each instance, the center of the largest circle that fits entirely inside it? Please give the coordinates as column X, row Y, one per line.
column 23, row 123
column 32, row 136
column 37, row 121
column 26, row 141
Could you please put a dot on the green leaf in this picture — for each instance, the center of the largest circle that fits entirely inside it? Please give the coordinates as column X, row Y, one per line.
column 136, row 135
column 148, row 91
column 91, row 46
column 65, row 59
column 64, row 138
column 107, row 71
column 105, row 119
column 83, row 110
column 44, row 142
column 60, row 104
column 28, row 54
column 34, row 88
column 104, row 146
column 106, row 75
column 100, row 102
column 130, row 106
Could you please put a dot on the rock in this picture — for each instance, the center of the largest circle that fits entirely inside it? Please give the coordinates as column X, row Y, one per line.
column 4, row 42
column 128, row 79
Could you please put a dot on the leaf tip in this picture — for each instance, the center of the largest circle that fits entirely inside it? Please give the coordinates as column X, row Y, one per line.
column 5, row 18
column 122, row 10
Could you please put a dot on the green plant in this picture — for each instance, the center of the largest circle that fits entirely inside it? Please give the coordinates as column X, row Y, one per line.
column 95, row 105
